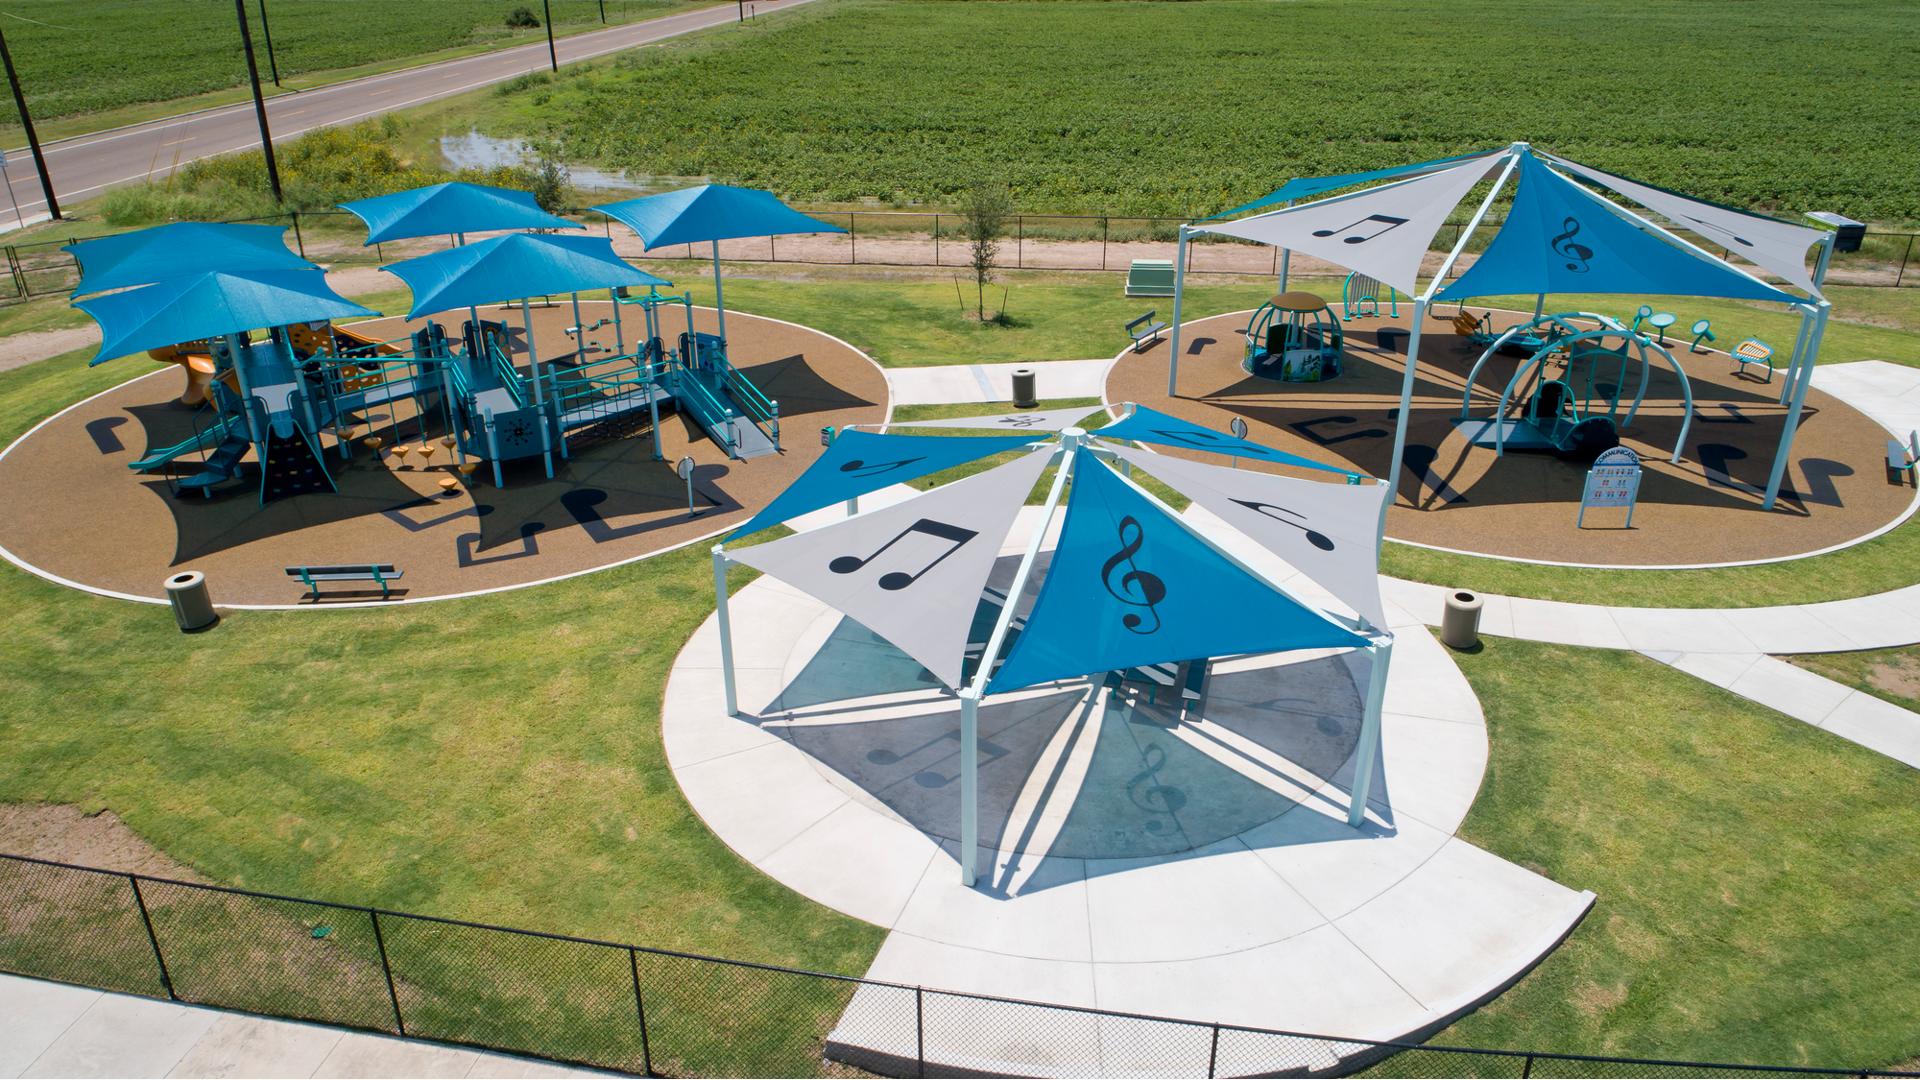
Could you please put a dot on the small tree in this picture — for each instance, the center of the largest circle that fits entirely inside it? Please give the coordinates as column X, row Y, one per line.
column 550, row 180
column 521, row 18
column 985, row 211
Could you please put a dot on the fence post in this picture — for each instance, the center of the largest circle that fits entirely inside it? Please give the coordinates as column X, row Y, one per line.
column 1213, row 1054
column 393, row 995
column 1104, row 222
column 1904, row 259
column 920, row 1029
column 640, row 1007
column 853, row 238
column 166, row 980
column 771, row 256
column 1527, row 1069
column 936, row 239
column 299, row 241
column 1019, row 241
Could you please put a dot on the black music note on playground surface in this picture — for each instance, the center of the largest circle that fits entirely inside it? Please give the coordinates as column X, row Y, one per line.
column 1202, row 439
column 1137, row 587
column 895, row 580
column 1317, row 539
column 1388, row 224
column 1563, row 246
column 861, row 468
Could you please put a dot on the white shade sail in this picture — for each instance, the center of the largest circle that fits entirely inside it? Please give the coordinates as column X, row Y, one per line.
column 1778, row 246
column 1329, row 532
column 1382, row 232
column 911, row 572
column 1048, row 420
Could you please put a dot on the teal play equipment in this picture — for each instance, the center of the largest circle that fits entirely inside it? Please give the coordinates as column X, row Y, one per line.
column 1360, row 298
column 1574, row 410
column 1293, row 337
column 1702, row 330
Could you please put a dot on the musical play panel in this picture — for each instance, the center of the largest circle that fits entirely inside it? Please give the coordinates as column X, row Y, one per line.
column 78, row 513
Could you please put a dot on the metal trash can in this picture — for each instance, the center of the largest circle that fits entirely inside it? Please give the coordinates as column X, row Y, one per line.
column 192, row 606
column 1460, row 623
column 1847, row 232
column 1024, row 396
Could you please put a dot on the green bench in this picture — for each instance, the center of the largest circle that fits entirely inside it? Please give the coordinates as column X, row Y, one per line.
column 1144, row 331
column 1150, row 277
column 382, row 574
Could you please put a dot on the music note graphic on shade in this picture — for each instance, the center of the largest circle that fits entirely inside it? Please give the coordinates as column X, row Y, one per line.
column 862, row 468
column 1137, row 587
column 1387, row 223
column 895, row 580
column 1317, row 539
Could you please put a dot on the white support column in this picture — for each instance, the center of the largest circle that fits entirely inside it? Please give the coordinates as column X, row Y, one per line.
column 1179, row 289
column 539, row 395
column 1367, row 753
column 721, row 602
column 1799, row 352
column 975, row 690
column 1286, row 258
column 719, row 304
column 1782, row 455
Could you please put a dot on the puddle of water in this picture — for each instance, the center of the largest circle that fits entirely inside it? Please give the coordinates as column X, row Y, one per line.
column 476, row 151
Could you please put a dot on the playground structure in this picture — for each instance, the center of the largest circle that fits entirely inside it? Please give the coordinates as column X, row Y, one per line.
column 1564, row 414
column 1293, row 337
column 1360, row 298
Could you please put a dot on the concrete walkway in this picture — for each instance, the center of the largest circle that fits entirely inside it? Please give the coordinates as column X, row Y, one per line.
column 53, row 1029
column 1880, row 726
column 994, row 382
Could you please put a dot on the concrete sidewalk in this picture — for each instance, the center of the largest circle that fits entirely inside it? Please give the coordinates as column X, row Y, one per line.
column 54, row 1029
column 985, row 383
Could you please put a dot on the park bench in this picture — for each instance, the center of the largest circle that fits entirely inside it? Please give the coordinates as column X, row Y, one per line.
column 1144, row 331
column 1150, row 277
column 382, row 574
column 1903, row 460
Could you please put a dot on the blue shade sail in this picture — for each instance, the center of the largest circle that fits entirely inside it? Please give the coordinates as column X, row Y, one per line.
column 860, row 461
column 511, row 267
column 1560, row 238
column 1153, row 426
column 448, row 209
column 1308, row 186
column 710, row 212
column 211, row 305
column 1129, row 585
column 180, row 249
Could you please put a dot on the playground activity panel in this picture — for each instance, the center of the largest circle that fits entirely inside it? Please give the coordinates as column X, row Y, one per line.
column 1460, row 489
column 393, row 450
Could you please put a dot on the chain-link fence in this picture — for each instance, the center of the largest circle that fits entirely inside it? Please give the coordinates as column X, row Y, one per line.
column 903, row 238
column 647, row 1011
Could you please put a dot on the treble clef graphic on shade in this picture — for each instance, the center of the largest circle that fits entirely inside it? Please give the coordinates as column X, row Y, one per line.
column 1137, row 587
column 1575, row 254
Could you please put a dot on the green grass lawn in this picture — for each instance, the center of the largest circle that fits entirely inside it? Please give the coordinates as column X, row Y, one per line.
column 1136, row 107
column 1754, row 874
column 1889, row 674
column 87, row 65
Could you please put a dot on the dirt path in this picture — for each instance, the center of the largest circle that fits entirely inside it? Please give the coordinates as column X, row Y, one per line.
column 19, row 350
column 66, row 834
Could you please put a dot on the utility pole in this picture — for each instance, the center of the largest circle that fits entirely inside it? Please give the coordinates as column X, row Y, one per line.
column 552, row 56
column 33, row 140
column 603, row 12
column 273, row 64
column 741, row 6
column 259, row 102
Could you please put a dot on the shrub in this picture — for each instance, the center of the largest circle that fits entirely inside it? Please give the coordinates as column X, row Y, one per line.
column 523, row 18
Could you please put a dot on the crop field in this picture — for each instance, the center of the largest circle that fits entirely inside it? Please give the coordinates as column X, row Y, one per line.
column 83, row 56
column 1166, row 108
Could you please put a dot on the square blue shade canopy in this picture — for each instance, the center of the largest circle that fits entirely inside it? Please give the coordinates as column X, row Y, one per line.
column 696, row 215
column 1130, row 585
column 513, row 267
column 210, row 305
column 180, row 249
column 449, row 209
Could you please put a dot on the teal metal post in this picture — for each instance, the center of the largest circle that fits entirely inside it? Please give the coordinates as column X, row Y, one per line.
column 1787, row 433
column 1179, row 290
column 539, row 396
column 719, row 303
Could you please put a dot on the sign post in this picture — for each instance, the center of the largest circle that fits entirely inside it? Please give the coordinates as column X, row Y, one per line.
column 1614, row 480
column 685, row 470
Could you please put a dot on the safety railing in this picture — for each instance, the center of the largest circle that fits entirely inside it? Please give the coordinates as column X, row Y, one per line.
column 645, row 1010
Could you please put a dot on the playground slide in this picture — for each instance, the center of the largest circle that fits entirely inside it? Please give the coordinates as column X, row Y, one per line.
column 198, row 367
column 214, row 434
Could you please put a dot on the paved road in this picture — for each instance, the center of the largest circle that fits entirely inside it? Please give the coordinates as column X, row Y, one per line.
column 85, row 165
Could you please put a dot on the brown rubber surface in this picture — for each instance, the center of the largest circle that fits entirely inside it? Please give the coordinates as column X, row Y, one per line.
column 77, row 512
column 1706, row 509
